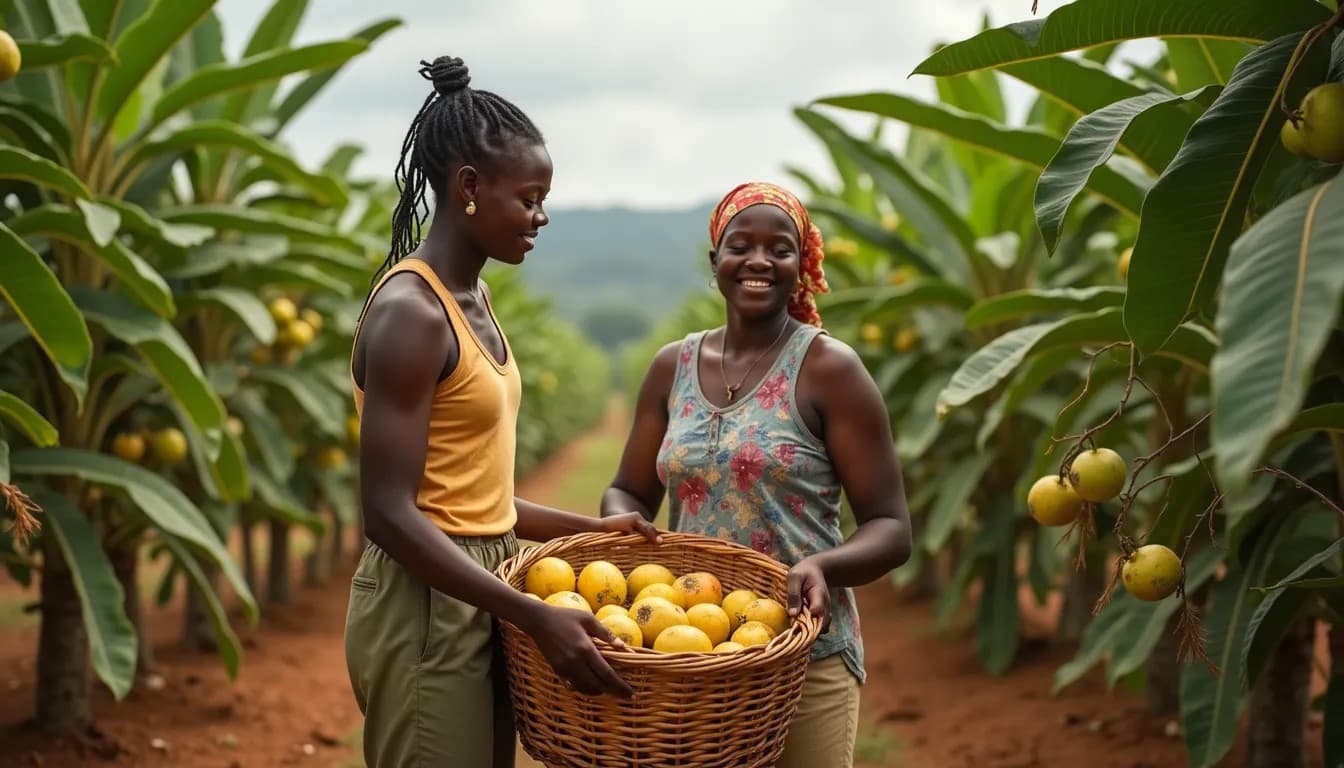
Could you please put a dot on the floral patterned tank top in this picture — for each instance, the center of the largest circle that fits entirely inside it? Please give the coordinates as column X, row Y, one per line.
column 753, row 473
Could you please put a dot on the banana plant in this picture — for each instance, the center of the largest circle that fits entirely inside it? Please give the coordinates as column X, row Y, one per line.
column 96, row 123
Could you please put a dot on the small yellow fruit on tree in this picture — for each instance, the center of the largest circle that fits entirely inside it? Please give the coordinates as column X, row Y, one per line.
column 648, row 573
column 682, row 638
column 710, row 619
column 665, row 591
column 332, row 457
column 169, row 445
column 283, row 311
column 906, row 339
column 735, row 601
column 1291, row 136
column 728, row 646
column 655, row 614
column 1151, row 573
column 1097, row 474
column 548, row 576
column 871, row 332
column 623, row 627
column 602, row 583
column 1322, row 125
column 297, row 334
column 11, row 60
column 352, row 429
column 313, row 318
column 891, row 221
column 699, row 587
column 1053, row 501
column 765, row 611
column 566, row 599
column 752, row 633
column 235, row 425
column 129, row 446
column 611, row 610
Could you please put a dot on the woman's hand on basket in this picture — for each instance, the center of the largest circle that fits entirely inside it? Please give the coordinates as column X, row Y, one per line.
column 630, row 522
column 565, row 638
column 807, row 588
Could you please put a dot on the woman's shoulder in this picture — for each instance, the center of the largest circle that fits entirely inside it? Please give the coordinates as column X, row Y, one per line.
column 832, row 361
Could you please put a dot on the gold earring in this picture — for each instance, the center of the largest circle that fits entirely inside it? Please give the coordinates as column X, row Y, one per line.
column 471, row 208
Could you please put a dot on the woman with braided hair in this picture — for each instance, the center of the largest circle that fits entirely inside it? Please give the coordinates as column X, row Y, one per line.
column 437, row 389
column 753, row 430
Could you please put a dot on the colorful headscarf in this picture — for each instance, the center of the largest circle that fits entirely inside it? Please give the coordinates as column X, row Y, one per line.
column 811, row 277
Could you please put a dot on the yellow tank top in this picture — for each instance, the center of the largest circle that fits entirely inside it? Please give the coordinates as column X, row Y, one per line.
column 467, row 487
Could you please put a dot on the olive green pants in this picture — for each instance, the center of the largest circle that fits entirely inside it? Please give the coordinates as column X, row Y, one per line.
column 823, row 731
column 427, row 669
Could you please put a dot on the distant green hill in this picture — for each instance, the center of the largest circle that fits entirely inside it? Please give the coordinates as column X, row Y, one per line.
column 616, row 271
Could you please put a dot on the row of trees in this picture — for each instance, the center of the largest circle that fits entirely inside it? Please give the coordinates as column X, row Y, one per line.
column 1148, row 262
column 180, row 297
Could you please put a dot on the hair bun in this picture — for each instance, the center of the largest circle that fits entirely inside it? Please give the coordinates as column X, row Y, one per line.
column 448, row 73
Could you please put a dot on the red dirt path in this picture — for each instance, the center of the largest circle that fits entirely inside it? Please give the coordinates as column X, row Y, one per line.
column 291, row 704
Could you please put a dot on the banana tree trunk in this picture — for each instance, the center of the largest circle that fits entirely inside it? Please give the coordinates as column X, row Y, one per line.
column 245, row 528
column 279, row 585
column 63, row 673
column 1085, row 588
column 1278, row 710
column 198, row 631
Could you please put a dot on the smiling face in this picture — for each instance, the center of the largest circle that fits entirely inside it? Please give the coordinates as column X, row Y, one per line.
column 509, row 193
column 756, row 263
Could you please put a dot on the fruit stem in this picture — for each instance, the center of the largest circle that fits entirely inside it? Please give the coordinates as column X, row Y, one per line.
column 1302, row 484
column 1303, row 47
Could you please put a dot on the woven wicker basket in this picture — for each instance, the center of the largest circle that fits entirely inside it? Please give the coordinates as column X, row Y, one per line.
column 708, row 710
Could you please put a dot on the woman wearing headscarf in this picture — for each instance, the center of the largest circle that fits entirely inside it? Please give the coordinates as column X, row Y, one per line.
column 753, row 431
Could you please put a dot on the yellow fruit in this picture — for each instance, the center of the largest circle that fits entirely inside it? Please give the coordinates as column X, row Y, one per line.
column 623, row 627
column 1097, row 474
column 1053, row 502
column 611, row 610
column 891, row 221
column 129, row 446
column 566, row 599
column 752, row 633
column 871, row 333
column 682, row 638
column 548, row 576
column 1122, row 266
column 331, row 457
column 655, row 614
column 297, row 334
column 1322, row 125
column 901, row 275
column 710, row 619
column 602, row 583
column 1291, row 136
column 313, row 318
column 235, row 425
column 765, row 611
column 352, row 429
column 169, row 445
column 665, row 591
column 906, row 339
column 11, row 60
column 1152, row 572
column 283, row 311
column 734, row 602
column 646, row 574
column 842, row 248
column 698, row 587
column 728, row 646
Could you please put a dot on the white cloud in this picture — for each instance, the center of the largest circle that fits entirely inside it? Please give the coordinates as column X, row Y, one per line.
column 642, row 104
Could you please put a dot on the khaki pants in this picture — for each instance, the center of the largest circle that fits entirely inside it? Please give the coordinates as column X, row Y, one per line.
column 823, row 731
column 427, row 670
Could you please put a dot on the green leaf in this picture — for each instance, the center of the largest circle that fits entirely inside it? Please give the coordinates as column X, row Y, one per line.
column 243, row 305
column 326, row 408
column 142, row 45
column 1091, row 142
column 1027, row 382
column 167, row 353
column 22, row 165
column 263, row 432
column 326, row 190
column 113, row 646
column 883, row 302
column 1280, row 303
column 281, row 503
column 36, row 296
column 56, row 51
column 251, row 220
column 23, row 130
column 274, row 30
column 873, row 233
column 166, row 507
column 1322, row 418
column 229, row 648
column 161, row 234
column 28, row 420
column 300, row 95
column 217, row 79
column 102, row 222
column 1029, row 146
column 1197, row 207
column 67, row 17
column 1026, row 302
column 1200, row 61
column 957, row 485
column 225, row 478
column 219, row 255
column 1088, row 23
column 133, row 273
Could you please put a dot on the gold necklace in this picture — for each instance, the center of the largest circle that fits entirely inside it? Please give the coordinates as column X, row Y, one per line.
column 723, row 356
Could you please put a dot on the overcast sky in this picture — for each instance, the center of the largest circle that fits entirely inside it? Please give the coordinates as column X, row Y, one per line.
column 644, row 104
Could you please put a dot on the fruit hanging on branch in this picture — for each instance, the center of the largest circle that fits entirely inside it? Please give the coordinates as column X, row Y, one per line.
column 1151, row 572
column 1316, row 130
column 1053, row 502
column 1097, row 475
column 11, row 61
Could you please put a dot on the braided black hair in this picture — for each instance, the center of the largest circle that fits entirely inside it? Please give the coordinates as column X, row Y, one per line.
column 456, row 124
